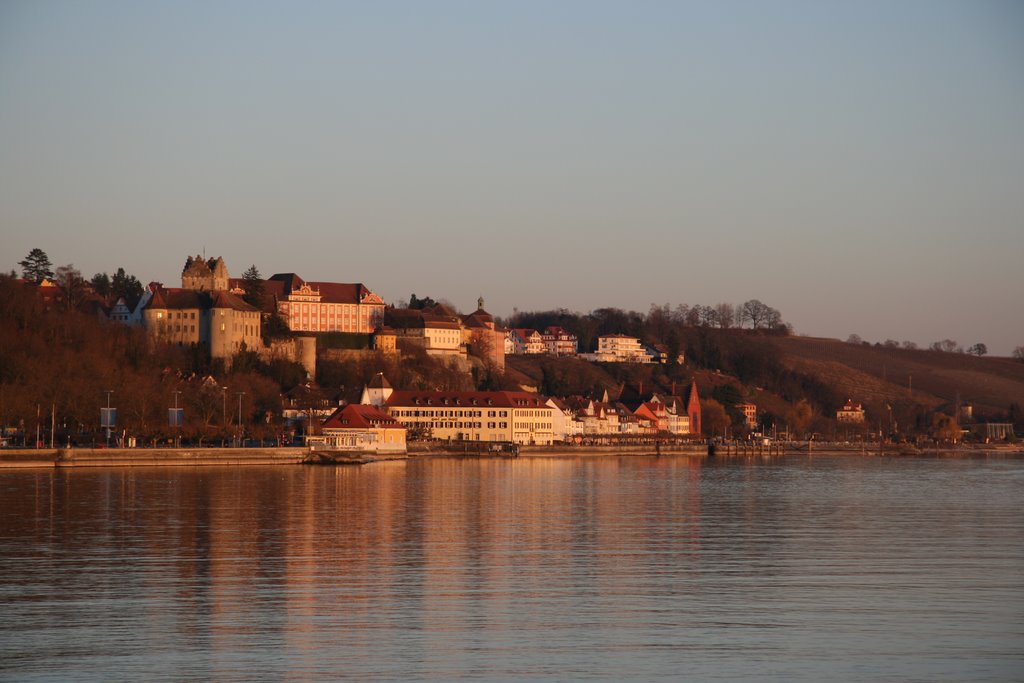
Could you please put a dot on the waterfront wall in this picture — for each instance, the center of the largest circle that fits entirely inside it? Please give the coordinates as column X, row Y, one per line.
column 140, row 457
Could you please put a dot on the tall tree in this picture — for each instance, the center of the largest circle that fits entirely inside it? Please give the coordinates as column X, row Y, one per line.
column 36, row 266
column 419, row 304
column 713, row 418
column 101, row 284
column 798, row 417
column 124, row 285
column 252, row 283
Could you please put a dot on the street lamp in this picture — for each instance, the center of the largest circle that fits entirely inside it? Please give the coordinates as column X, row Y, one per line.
column 177, row 418
column 107, row 422
column 240, row 395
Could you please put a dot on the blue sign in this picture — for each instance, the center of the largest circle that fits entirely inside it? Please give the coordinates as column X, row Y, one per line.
column 175, row 417
column 108, row 417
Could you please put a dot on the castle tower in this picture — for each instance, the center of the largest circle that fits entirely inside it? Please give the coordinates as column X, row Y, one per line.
column 204, row 276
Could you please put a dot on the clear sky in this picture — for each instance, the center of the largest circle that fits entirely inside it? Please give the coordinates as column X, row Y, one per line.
column 857, row 165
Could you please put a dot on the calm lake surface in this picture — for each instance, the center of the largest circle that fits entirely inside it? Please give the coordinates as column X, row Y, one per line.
column 796, row 568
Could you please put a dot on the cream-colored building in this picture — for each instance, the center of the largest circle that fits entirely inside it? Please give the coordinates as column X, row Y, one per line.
column 361, row 428
column 559, row 342
column 438, row 330
column 218, row 320
column 851, row 413
column 526, row 341
column 509, row 416
column 619, row 348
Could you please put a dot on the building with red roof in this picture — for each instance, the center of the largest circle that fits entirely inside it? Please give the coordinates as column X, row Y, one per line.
column 320, row 306
column 851, row 413
column 362, row 428
column 510, row 416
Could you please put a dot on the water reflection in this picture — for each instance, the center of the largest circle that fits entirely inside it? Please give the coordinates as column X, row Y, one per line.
column 565, row 567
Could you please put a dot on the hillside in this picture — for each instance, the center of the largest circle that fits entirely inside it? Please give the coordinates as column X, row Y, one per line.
column 885, row 374
column 895, row 385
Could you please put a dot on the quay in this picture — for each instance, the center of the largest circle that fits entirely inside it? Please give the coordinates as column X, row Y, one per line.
column 184, row 457
column 149, row 457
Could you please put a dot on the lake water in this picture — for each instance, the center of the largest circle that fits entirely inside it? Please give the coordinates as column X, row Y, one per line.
column 796, row 568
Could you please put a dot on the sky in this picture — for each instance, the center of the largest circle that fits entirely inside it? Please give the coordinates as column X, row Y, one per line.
column 857, row 165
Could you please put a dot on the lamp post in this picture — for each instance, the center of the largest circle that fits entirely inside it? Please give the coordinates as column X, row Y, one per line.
column 107, row 418
column 224, row 408
column 240, row 395
column 177, row 418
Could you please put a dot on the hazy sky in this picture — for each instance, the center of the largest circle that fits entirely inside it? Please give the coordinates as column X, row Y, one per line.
column 857, row 165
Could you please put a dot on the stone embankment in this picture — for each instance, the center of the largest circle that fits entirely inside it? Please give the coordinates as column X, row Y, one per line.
column 169, row 457
column 148, row 457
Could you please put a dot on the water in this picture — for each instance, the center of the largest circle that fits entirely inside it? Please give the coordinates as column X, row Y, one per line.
column 797, row 568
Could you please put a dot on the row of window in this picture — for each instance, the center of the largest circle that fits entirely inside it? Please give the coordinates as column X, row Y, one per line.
column 533, row 426
column 449, row 413
column 470, row 425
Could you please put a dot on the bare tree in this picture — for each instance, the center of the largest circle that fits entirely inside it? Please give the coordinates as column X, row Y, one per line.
column 708, row 316
column 726, row 314
column 947, row 345
column 758, row 314
column 70, row 280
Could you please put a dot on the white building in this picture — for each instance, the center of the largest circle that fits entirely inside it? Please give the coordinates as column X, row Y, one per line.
column 618, row 348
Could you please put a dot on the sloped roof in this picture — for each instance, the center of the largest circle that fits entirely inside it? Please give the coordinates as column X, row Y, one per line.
column 484, row 399
column 228, row 300
column 479, row 318
column 356, row 416
column 283, row 284
column 176, row 298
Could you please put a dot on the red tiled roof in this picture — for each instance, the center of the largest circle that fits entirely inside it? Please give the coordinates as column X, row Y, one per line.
column 280, row 285
column 479, row 318
column 229, row 300
column 499, row 399
column 175, row 298
column 356, row 416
